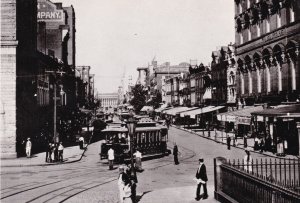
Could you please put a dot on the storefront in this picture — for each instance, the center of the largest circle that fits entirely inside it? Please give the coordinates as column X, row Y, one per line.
column 282, row 125
column 239, row 121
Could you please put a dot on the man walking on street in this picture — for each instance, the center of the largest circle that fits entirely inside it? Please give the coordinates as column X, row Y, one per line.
column 111, row 157
column 175, row 153
column 201, row 177
column 28, row 148
column 228, row 142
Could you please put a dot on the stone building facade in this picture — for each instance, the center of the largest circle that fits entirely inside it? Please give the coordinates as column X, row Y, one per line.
column 267, row 50
column 18, row 65
column 109, row 100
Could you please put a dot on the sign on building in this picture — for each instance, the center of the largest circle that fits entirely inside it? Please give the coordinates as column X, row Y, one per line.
column 47, row 11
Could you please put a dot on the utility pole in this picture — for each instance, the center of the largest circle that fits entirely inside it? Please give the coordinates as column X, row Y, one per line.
column 54, row 73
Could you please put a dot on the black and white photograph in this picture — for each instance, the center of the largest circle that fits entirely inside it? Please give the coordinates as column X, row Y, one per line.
column 150, row 101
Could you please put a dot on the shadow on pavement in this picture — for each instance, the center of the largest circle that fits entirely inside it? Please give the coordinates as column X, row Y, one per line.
column 139, row 197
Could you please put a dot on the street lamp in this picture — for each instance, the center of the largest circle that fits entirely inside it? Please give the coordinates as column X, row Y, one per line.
column 131, row 125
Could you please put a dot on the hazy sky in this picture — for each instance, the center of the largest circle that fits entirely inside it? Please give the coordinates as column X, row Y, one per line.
column 114, row 36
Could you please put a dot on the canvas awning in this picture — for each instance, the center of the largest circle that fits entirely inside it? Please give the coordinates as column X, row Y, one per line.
column 241, row 116
column 183, row 113
column 162, row 107
column 147, row 108
column 203, row 110
column 290, row 110
column 175, row 110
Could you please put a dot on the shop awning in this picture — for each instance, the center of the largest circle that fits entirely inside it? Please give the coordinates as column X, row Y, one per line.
column 162, row 107
column 147, row 108
column 203, row 110
column 241, row 116
column 175, row 110
column 290, row 110
column 183, row 113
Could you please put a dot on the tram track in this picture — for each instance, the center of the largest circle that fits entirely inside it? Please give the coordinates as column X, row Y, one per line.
column 78, row 187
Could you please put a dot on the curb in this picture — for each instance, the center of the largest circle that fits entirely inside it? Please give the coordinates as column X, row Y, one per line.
column 53, row 164
column 209, row 138
column 48, row 164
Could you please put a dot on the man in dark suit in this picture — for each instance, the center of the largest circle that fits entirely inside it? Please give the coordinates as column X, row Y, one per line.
column 201, row 177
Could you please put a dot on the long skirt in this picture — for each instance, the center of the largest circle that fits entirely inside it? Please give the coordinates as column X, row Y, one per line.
column 138, row 163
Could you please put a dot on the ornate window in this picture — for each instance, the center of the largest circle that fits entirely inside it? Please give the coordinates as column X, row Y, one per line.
column 238, row 25
column 278, row 20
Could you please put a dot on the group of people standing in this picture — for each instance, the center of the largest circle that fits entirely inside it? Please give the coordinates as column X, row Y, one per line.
column 137, row 156
column 54, row 152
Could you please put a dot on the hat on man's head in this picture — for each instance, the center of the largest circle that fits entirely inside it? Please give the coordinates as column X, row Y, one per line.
column 201, row 160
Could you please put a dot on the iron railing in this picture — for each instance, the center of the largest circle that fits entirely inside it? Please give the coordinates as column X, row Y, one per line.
column 262, row 181
column 284, row 173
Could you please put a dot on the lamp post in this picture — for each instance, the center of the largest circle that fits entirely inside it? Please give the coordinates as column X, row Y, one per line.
column 131, row 125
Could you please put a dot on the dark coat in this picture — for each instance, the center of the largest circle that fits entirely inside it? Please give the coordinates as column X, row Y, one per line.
column 202, row 173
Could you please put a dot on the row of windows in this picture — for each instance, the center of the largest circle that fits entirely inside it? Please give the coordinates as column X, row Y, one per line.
column 42, row 97
column 247, row 30
column 265, row 78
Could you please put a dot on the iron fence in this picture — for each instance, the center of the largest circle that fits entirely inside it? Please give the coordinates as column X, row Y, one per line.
column 284, row 173
column 261, row 181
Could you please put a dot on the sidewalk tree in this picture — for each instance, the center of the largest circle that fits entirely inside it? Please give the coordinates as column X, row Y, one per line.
column 139, row 97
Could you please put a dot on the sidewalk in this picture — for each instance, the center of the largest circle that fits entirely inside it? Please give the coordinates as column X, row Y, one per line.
column 220, row 137
column 176, row 195
column 71, row 154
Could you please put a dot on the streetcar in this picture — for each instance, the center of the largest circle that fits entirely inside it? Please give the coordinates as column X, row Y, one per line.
column 150, row 139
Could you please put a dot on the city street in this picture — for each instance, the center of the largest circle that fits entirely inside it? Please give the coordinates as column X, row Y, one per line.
column 90, row 180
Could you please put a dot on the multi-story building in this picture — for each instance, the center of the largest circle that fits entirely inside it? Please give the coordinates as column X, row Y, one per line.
column 231, row 76
column 109, row 100
column 200, row 85
column 166, row 70
column 184, row 90
column 143, row 76
column 219, row 76
column 267, row 58
column 18, row 70
column 267, row 50
column 56, row 38
column 85, row 87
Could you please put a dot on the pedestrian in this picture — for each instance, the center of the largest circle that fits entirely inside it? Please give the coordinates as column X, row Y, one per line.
column 256, row 143
column 60, row 152
column 248, row 161
column 111, row 157
column 175, row 153
column 56, row 152
column 201, row 178
column 122, row 181
column 28, row 148
column 262, row 145
column 245, row 141
column 138, row 160
column 228, row 142
column 81, row 142
column 49, row 152
column 53, row 152
column 128, row 190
